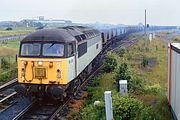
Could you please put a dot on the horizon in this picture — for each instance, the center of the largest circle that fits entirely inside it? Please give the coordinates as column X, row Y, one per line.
column 159, row 12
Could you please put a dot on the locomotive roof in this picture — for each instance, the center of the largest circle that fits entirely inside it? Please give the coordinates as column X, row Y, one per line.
column 64, row 34
column 59, row 35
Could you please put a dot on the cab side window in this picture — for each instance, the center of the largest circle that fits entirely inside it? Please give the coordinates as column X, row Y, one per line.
column 70, row 50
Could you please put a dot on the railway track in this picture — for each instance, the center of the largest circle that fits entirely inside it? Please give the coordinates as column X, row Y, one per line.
column 10, row 103
column 7, row 94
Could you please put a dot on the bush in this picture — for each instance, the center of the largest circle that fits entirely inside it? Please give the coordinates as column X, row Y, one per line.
column 147, row 114
column 5, row 64
column 176, row 39
column 90, row 112
column 136, row 85
column 122, row 72
column 126, row 108
column 121, row 52
column 9, row 28
column 154, row 89
column 129, row 56
column 145, row 61
column 96, row 81
column 110, row 63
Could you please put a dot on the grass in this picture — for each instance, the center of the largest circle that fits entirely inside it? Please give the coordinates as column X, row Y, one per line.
column 11, row 44
column 15, row 31
column 8, row 51
column 106, row 83
column 9, row 48
column 154, row 75
column 177, row 39
column 156, row 50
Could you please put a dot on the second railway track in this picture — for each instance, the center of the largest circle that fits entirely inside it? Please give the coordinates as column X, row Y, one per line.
column 7, row 94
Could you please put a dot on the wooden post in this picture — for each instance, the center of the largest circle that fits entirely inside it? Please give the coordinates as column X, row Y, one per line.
column 108, row 105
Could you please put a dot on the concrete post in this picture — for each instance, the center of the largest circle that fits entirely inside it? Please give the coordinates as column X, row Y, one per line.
column 108, row 105
column 123, row 87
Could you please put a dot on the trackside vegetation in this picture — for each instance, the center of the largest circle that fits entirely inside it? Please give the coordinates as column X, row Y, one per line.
column 8, row 65
column 145, row 69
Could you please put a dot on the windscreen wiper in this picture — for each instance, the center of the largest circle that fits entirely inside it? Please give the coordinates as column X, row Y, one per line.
column 50, row 46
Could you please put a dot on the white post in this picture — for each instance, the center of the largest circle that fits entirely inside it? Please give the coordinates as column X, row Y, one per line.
column 123, row 87
column 108, row 105
column 154, row 35
column 150, row 37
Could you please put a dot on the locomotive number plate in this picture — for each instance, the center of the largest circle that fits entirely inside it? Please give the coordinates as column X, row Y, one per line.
column 40, row 72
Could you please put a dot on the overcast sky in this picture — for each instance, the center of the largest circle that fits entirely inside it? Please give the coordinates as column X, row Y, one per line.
column 159, row 12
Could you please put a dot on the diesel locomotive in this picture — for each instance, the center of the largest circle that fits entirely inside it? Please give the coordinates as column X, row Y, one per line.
column 54, row 62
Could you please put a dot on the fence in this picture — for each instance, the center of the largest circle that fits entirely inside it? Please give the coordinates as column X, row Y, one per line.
column 11, row 38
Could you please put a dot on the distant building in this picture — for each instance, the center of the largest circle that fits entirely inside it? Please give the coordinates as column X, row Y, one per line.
column 41, row 21
column 41, row 17
column 10, row 24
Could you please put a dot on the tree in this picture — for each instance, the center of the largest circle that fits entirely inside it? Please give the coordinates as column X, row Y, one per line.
column 9, row 28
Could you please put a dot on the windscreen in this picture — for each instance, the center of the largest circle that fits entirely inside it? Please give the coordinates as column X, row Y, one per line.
column 31, row 49
column 53, row 49
column 48, row 49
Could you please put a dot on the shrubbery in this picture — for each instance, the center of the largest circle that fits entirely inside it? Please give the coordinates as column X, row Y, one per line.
column 147, row 114
column 5, row 64
column 91, row 112
column 110, row 63
column 154, row 89
column 121, row 52
column 136, row 85
column 126, row 108
column 123, row 72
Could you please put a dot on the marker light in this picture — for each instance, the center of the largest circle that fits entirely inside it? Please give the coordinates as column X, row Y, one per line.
column 22, row 72
column 50, row 64
column 32, row 64
column 58, row 65
column 58, row 73
column 24, row 63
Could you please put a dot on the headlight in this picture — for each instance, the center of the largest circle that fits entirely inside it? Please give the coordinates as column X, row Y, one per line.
column 40, row 63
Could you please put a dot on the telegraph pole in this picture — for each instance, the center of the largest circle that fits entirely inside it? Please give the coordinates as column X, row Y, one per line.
column 145, row 30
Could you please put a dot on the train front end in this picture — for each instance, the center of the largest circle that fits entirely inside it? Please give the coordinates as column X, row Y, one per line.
column 43, row 67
